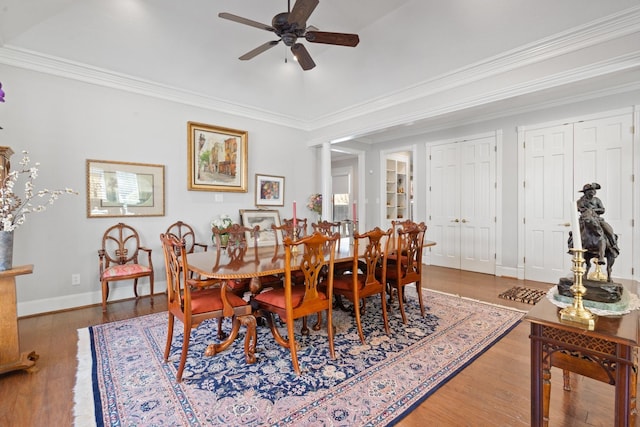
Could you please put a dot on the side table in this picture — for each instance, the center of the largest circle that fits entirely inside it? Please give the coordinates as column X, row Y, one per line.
column 608, row 354
column 10, row 357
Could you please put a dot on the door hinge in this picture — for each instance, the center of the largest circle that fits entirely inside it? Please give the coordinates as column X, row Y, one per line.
column 524, row 260
column 633, row 222
column 633, row 129
column 524, row 184
column 524, row 220
column 524, row 144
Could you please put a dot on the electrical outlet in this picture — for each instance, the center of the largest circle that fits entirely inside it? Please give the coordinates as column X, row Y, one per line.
column 75, row 279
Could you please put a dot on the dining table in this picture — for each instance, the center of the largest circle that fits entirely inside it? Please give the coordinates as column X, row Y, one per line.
column 255, row 262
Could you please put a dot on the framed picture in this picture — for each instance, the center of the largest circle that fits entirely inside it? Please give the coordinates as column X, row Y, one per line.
column 269, row 190
column 217, row 158
column 264, row 218
column 116, row 189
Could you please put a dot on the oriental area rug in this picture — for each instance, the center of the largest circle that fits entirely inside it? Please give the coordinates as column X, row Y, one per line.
column 123, row 381
column 523, row 294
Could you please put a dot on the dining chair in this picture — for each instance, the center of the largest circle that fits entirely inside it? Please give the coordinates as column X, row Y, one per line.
column 236, row 248
column 406, row 268
column 119, row 259
column 368, row 274
column 301, row 224
column 184, row 231
column 293, row 302
column 193, row 301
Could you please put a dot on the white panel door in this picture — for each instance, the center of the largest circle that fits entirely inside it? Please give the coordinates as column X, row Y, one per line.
column 548, row 192
column 462, row 204
column 604, row 154
column 444, row 206
column 477, row 207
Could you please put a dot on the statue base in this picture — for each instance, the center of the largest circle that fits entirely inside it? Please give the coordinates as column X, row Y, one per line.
column 607, row 292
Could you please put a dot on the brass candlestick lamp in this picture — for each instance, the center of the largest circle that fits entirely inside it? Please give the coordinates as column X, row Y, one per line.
column 577, row 313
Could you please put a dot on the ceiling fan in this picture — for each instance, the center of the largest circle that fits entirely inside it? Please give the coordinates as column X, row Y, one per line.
column 289, row 27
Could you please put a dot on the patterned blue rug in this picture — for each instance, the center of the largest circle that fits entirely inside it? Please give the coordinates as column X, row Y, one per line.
column 122, row 380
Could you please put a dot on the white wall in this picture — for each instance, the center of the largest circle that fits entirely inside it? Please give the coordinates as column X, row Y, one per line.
column 63, row 122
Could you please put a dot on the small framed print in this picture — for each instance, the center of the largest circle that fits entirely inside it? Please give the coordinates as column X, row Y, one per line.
column 269, row 190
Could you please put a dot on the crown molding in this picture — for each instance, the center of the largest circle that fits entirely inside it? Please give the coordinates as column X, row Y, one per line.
column 605, row 29
column 35, row 61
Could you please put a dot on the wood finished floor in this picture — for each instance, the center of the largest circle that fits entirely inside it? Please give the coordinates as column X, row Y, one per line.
column 491, row 391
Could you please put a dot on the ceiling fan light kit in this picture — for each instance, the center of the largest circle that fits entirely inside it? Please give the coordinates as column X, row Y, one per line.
column 291, row 26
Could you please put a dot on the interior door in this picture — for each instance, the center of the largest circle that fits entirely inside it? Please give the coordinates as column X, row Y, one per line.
column 603, row 153
column 477, row 205
column 462, row 204
column 444, row 205
column 548, row 192
column 559, row 160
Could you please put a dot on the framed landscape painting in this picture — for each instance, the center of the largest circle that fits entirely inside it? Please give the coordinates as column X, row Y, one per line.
column 264, row 218
column 269, row 190
column 116, row 189
column 217, row 158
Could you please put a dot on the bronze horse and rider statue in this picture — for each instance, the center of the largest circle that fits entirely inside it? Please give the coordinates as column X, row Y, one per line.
column 598, row 239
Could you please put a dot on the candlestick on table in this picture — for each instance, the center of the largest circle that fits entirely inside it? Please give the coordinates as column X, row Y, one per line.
column 575, row 225
column 295, row 220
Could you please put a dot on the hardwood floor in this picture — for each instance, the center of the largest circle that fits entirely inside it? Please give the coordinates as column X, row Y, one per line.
column 491, row 391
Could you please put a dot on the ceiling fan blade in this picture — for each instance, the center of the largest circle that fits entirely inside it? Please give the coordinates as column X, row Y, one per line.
column 302, row 56
column 301, row 12
column 245, row 21
column 257, row 51
column 341, row 39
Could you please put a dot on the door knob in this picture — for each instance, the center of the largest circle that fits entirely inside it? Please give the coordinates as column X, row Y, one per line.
column 455, row 220
column 464, row 221
column 566, row 224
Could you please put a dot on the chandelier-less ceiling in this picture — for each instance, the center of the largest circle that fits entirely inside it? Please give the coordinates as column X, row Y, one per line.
column 291, row 25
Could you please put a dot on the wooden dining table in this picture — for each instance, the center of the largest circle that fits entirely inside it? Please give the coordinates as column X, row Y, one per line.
column 260, row 261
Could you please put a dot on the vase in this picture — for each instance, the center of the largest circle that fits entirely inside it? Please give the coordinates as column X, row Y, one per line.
column 6, row 250
column 224, row 240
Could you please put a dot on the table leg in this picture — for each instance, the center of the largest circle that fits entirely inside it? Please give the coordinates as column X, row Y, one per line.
column 623, row 387
column 536, row 375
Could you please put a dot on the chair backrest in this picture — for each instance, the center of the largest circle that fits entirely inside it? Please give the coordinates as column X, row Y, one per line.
column 301, row 224
column 318, row 255
column 184, row 232
column 237, row 236
column 286, row 229
column 120, row 245
column 375, row 254
column 174, row 252
column 409, row 252
column 326, row 227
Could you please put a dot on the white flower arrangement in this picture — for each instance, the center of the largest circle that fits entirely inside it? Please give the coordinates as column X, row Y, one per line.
column 221, row 222
column 14, row 209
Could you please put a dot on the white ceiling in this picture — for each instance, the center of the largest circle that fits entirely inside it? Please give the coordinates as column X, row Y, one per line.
column 184, row 49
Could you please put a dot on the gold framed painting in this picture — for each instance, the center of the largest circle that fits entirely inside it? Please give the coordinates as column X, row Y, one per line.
column 122, row 189
column 217, row 158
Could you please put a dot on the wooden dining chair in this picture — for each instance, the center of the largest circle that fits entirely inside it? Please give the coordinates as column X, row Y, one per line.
column 367, row 276
column 193, row 301
column 119, row 259
column 236, row 248
column 294, row 302
column 184, row 231
column 406, row 268
column 301, row 224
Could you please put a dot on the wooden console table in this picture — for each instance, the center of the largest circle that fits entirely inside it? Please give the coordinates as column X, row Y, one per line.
column 10, row 357
column 608, row 354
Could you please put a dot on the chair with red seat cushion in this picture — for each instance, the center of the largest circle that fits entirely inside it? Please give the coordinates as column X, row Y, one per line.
column 118, row 258
column 292, row 302
column 368, row 274
column 184, row 231
column 409, row 243
column 194, row 300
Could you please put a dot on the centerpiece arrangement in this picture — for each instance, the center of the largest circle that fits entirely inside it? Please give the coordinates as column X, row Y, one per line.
column 315, row 204
column 222, row 222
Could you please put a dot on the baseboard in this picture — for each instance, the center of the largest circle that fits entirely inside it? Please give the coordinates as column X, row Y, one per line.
column 117, row 291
